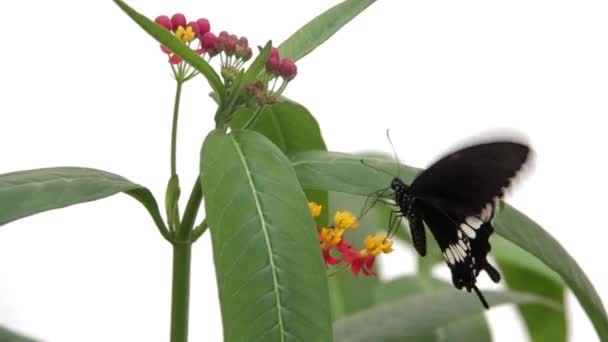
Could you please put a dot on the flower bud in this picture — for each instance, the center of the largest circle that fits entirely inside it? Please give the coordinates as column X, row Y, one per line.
column 288, row 69
column 203, row 25
column 272, row 66
column 247, row 54
column 274, row 53
column 223, row 34
column 221, row 42
column 243, row 42
column 230, row 45
column 177, row 20
column 195, row 27
column 250, row 87
column 208, row 41
column 164, row 21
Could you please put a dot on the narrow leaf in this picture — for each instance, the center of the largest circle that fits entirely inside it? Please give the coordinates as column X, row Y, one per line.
column 26, row 193
column 473, row 328
column 11, row 336
column 345, row 173
column 420, row 315
column 543, row 323
column 167, row 39
column 318, row 30
column 271, row 279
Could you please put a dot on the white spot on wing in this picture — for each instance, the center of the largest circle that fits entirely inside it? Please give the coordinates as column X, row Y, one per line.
column 468, row 230
column 473, row 222
column 461, row 251
column 456, row 254
column 486, row 213
column 449, row 256
column 462, row 244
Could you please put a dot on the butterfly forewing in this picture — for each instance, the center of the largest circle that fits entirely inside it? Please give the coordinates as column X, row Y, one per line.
column 471, row 178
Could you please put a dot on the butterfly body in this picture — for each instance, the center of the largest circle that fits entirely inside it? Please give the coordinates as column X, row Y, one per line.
column 456, row 197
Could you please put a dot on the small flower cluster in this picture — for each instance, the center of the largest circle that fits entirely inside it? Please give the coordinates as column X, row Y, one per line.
column 234, row 51
column 332, row 237
column 276, row 68
column 185, row 31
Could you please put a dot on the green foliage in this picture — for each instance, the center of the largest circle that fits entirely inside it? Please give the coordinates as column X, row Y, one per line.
column 11, row 336
column 321, row 28
column 256, row 181
column 345, row 173
column 270, row 275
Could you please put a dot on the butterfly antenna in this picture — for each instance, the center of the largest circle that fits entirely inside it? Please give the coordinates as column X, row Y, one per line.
column 388, row 136
column 376, row 168
column 481, row 298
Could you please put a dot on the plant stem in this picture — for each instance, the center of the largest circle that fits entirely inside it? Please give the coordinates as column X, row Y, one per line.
column 194, row 203
column 178, row 93
column 199, row 230
column 180, row 292
column 254, row 117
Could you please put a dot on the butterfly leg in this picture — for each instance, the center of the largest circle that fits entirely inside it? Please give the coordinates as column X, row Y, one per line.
column 377, row 196
column 393, row 221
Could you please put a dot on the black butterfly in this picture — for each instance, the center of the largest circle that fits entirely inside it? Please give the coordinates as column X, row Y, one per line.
column 456, row 197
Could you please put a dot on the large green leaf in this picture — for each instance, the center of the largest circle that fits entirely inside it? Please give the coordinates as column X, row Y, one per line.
column 26, row 193
column 345, row 173
column 473, row 328
column 522, row 272
column 420, row 315
column 318, row 30
column 292, row 128
column 271, row 279
column 167, row 39
column 11, row 336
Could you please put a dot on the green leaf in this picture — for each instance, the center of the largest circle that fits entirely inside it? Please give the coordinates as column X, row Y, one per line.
column 292, row 128
column 167, row 39
column 421, row 315
column 345, row 173
column 522, row 272
column 318, row 30
column 288, row 125
column 26, row 193
column 474, row 328
column 171, row 202
column 11, row 336
column 271, row 278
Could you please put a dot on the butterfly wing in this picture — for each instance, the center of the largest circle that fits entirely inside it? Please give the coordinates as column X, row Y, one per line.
column 471, row 178
column 458, row 250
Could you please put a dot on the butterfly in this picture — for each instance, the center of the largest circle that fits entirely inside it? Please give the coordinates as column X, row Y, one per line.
column 456, row 197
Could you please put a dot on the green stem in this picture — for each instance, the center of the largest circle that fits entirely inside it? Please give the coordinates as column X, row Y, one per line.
column 199, row 230
column 194, row 203
column 254, row 117
column 180, row 292
column 178, row 93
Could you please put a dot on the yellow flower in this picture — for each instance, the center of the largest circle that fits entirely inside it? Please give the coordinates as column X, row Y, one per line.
column 345, row 220
column 315, row 208
column 186, row 35
column 330, row 237
column 375, row 245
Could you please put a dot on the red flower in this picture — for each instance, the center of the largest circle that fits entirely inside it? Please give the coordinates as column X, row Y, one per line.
column 330, row 260
column 178, row 20
column 203, row 26
column 164, row 21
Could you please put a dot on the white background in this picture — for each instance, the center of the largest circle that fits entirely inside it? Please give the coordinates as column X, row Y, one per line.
column 82, row 85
